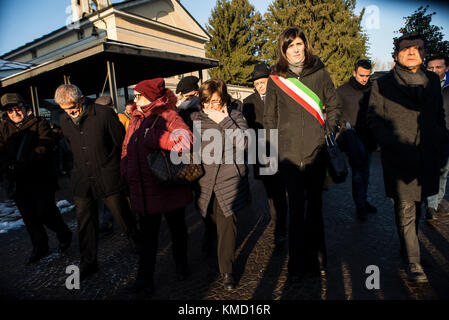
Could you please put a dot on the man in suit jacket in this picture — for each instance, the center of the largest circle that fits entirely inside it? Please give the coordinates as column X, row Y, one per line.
column 253, row 109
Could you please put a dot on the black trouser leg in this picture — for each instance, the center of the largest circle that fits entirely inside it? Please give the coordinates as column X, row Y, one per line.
column 277, row 201
column 87, row 216
column 226, row 237
column 306, row 228
column 149, row 227
column 178, row 230
column 119, row 207
column 407, row 215
column 315, row 243
column 51, row 216
column 27, row 206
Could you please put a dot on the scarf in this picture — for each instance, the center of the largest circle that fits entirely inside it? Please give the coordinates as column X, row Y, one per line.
column 297, row 67
column 411, row 83
column 358, row 86
column 77, row 120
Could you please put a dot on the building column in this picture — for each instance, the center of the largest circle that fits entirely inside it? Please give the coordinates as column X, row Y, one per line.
column 112, row 83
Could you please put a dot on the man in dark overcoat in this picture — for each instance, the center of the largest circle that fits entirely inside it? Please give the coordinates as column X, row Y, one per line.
column 406, row 116
column 253, row 108
column 354, row 96
column 95, row 136
column 26, row 159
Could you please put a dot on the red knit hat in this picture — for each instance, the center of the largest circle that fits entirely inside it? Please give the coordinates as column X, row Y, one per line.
column 151, row 89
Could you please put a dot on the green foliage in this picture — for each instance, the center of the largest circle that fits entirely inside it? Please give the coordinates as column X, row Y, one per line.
column 331, row 26
column 235, row 30
column 420, row 21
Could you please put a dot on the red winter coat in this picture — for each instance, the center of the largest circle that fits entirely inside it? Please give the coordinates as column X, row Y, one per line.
column 147, row 197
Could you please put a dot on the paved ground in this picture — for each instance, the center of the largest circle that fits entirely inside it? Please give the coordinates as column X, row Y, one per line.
column 260, row 270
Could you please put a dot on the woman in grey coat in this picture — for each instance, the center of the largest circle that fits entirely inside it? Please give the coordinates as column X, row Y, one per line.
column 224, row 188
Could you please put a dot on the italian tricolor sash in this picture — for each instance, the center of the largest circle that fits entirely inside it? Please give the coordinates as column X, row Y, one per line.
column 299, row 92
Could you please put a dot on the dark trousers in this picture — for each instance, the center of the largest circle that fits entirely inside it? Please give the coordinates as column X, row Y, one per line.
column 37, row 209
column 277, row 201
column 149, row 228
column 360, row 180
column 88, row 224
column 407, row 215
column 226, row 233
column 307, row 247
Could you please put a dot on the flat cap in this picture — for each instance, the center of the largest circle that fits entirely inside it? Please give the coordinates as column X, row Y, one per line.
column 187, row 84
column 11, row 99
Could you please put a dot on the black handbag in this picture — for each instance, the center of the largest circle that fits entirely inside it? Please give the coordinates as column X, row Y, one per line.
column 337, row 167
column 169, row 174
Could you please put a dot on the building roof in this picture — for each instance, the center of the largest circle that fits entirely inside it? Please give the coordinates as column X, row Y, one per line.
column 118, row 6
column 6, row 65
column 87, row 68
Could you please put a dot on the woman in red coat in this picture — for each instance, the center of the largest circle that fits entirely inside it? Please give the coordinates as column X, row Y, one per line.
column 151, row 201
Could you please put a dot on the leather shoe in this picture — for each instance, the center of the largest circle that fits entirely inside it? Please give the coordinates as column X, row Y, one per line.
column 370, row 208
column 36, row 255
column 64, row 245
column 361, row 214
column 88, row 270
column 182, row 273
column 228, row 281
column 431, row 214
column 441, row 212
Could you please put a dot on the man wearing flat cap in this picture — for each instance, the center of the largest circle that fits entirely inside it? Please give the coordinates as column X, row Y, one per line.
column 26, row 158
column 187, row 89
column 405, row 114
column 253, row 109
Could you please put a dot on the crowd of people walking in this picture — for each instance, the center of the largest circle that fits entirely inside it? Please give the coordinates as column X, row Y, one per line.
column 403, row 114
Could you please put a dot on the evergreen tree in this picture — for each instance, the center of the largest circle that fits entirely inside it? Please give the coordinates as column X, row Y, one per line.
column 420, row 21
column 235, row 30
column 334, row 32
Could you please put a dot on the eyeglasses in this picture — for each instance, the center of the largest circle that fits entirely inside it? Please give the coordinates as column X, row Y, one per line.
column 189, row 96
column 213, row 103
column 137, row 96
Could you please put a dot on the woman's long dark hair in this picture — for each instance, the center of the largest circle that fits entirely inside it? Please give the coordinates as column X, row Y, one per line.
column 287, row 37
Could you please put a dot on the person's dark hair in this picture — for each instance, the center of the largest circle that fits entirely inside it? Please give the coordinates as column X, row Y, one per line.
column 209, row 87
column 129, row 102
column 440, row 56
column 364, row 63
column 285, row 39
column 408, row 36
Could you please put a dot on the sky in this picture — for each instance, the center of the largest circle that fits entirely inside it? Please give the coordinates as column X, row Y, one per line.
column 22, row 21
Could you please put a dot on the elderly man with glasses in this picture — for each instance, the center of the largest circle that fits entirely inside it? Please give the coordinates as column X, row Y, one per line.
column 26, row 151
column 95, row 135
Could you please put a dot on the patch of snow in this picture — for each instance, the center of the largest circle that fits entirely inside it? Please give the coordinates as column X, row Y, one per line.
column 11, row 219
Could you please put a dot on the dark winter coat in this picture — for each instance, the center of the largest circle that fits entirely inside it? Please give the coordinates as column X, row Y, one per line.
column 96, row 145
column 229, row 182
column 147, row 197
column 32, row 170
column 445, row 93
column 253, row 109
column 301, row 136
column 410, row 131
column 354, row 105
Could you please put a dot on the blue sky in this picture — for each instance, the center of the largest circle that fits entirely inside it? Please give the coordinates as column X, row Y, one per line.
column 22, row 21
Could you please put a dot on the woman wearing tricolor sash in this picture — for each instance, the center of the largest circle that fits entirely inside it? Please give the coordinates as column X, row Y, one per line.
column 297, row 92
